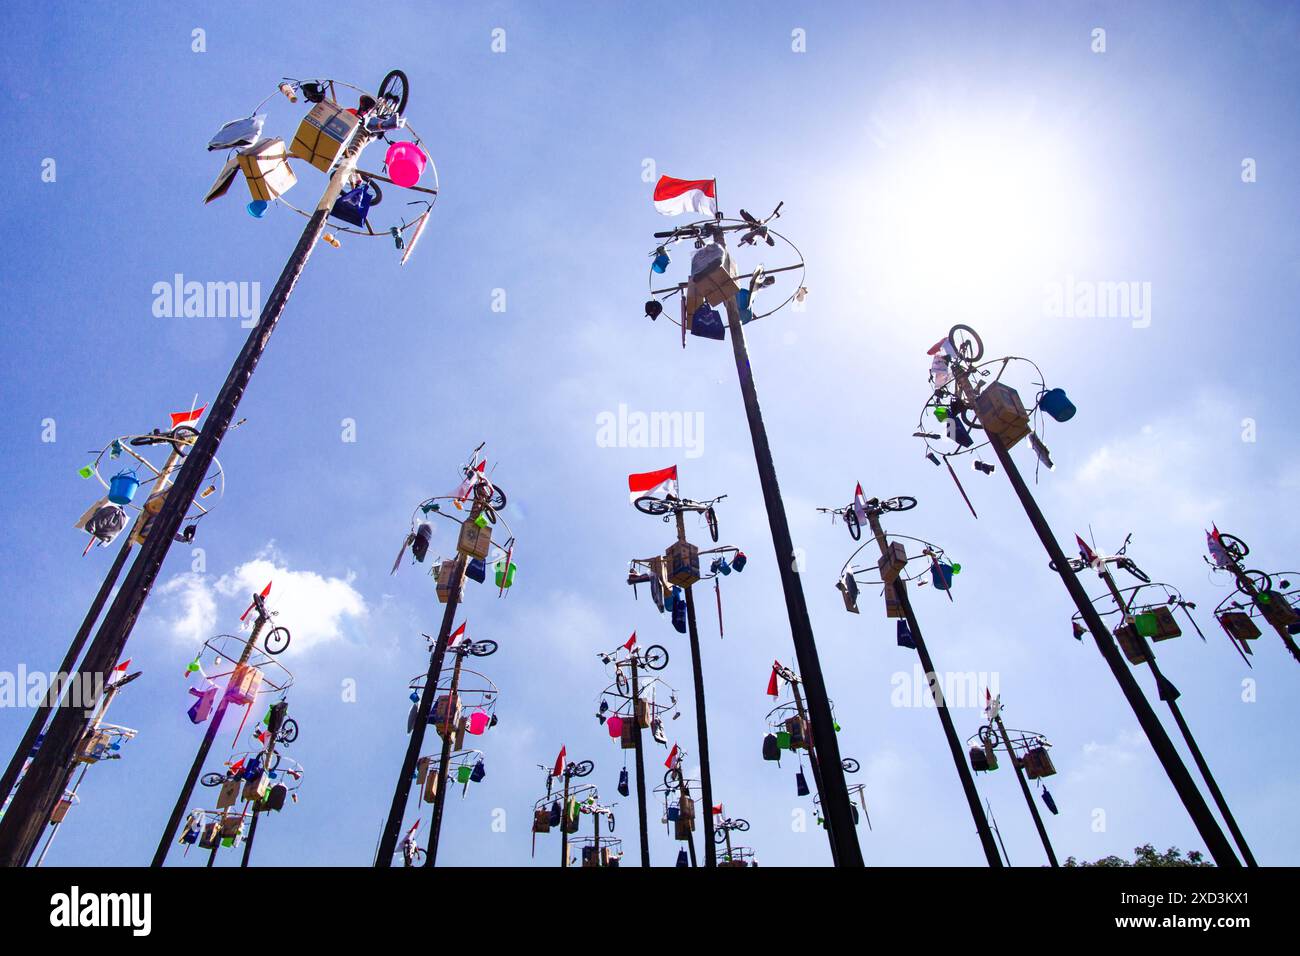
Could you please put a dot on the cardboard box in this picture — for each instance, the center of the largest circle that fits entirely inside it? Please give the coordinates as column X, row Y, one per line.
column 229, row 794
column 892, row 562
column 1002, row 413
column 244, row 684
column 1166, row 626
column 321, row 134
column 1239, row 625
column 1131, row 643
column 474, row 541
column 445, row 588
column 683, row 564
column 267, row 170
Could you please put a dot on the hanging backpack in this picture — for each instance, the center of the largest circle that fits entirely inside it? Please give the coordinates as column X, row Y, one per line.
column 354, row 205
column 905, row 635
column 479, row 772
column 476, row 570
column 771, row 748
column 707, row 323
column 622, row 782
column 679, row 610
column 682, row 858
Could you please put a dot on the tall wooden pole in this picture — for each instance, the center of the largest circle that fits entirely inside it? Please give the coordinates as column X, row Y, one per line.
column 941, row 707
column 813, row 765
column 642, row 822
column 201, row 756
column 444, row 759
column 701, row 718
column 835, row 793
column 1029, row 797
column 1167, row 692
column 42, row 784
column 1215, row 842
column 43, row 709
column 402, row 791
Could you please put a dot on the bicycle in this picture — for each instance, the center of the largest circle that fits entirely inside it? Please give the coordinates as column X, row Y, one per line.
column 720, row 828
column 483, row 648
column 485, row 493
column 181, row 438
column 1118, row 559
column 654, row 658
column 872, row 506
column 670, row 506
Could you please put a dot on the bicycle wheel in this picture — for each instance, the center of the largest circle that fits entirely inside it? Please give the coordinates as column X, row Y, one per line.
column 741, row 824
column 1076, row 564
column 582, row 768
column 850, row 765
column 483, row 648
column 649, row 505
column 966, row 342
column 395, row 88
column 212, row 779
column 711, row 518
column 277, row 640
column 273, row 764
column 288, row 731
column 656, row 657
column 498, row 499
column 719, row 836
column 1261, row 581
column 901, row 503
column 673, row 777
column 855, row 526
column 1235, row 547
column 611, row 821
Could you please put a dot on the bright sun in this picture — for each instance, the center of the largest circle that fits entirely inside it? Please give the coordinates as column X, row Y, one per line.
column 968, row 218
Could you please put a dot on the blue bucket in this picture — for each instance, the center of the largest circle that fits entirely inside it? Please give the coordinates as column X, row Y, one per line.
column 1056, row 404
column 122, row 489
column 941, row 575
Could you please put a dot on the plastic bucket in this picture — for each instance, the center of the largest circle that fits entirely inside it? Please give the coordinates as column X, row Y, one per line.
column 257, row 208
column 122, row 489
column 405, row 162
column 478, row 722
column 1056, row 404
column 941, row 575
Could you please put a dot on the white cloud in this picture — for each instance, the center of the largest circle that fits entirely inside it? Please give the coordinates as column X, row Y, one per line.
column 316, row 609
column 197, row 614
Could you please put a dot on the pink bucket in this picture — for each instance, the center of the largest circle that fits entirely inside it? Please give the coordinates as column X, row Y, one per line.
column 478, row 722
column 615, row 726
column 405, row 162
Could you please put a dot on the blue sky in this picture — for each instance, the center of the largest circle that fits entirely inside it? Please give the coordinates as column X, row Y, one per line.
column 938, row 163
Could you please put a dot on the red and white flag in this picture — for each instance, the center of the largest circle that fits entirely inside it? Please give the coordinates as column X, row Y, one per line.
column 1085, row 552
column 859, row 505
column 772, row 687
column 631, row 642
column 717, row 811
column 410, row 834
column 676, row 196
column 992, row 705
column 1217, row 551
column 559, row 762
column 659, row 483
column 673, row 760
column 466, row 486
column 456, row 636
column 265, row 591
column 187, row 418
column 118, row 672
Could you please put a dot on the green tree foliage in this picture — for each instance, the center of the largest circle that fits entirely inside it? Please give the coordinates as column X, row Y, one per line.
column 1146, row 855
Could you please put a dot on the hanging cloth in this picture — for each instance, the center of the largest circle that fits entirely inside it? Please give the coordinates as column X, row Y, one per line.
column 201, row 709
column 679, row 610
column 1047, row 799
column 801, row 784
column 622, row 783
column 717, row 591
